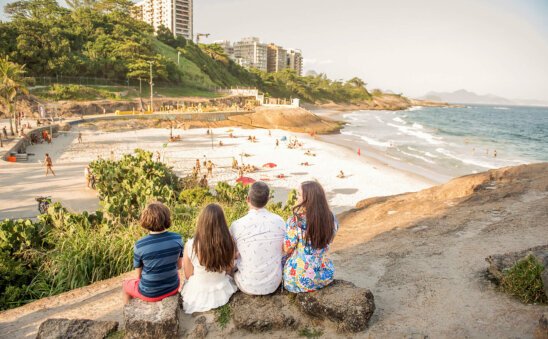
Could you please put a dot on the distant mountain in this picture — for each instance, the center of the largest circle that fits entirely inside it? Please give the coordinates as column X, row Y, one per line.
column 463, row 96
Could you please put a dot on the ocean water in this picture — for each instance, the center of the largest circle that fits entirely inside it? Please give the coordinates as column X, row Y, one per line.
column 445, row 142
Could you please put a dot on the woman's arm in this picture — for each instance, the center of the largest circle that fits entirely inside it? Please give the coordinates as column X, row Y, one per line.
column 187, row 265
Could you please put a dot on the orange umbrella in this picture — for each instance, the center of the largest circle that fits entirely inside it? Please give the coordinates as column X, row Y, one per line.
column 270, row 164
column 245, row 180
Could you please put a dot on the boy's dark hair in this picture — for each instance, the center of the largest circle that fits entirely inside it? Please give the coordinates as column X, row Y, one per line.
column 156, row 217
column 259, row 194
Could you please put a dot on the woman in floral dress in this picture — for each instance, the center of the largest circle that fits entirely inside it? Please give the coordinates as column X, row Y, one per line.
column 308, row 234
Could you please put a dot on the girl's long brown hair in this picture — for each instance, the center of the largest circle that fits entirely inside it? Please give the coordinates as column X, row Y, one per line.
column 212, row 242
column 320, row 223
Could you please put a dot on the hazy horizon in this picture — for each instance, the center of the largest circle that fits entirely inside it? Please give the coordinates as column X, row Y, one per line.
column 483, row 46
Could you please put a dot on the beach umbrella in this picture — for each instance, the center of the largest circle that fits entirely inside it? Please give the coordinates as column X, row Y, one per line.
column 271, row 165
column 245, row 180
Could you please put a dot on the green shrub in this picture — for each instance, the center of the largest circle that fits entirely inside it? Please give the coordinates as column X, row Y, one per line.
column 524, row 281
column 195, row 196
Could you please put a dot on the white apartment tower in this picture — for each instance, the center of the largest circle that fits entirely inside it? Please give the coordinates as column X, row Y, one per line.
column 251, row 53
column 176, row 15
column 295, row 61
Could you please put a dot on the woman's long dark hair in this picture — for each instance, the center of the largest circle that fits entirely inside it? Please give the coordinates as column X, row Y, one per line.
column 320, row 223
column 212, row 241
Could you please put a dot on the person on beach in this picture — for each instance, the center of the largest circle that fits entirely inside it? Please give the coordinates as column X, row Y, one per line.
column 340, row 175
column 5, row 132
column 87, row 175
column 259, row 238
column 240, row 171
column 234, row 163
column 159, row 249
column 79, row 137
column 203, row 182
column 112, row 156
column 208, row 260
column 210, row 166
column 158, row 156
column 221, row 143
column 308, row 234
column 48, row 163
column 277, row 143
column 195, row 172
column 495, row 153
column 198, row 165
column 269, row 134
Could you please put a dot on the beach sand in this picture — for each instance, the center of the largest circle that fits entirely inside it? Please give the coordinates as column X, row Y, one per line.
column 365, row 178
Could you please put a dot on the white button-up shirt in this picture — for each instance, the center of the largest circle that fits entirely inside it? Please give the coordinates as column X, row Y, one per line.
column 259, row 239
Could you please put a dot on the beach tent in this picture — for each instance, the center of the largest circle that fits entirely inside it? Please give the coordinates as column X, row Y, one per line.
column 271, row 165
column 284, row 138
column 245, row 180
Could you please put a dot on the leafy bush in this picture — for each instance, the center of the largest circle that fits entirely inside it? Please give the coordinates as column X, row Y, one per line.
column 524, row 281
column 194, row 196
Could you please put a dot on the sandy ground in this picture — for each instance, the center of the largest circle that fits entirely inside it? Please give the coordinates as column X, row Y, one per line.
column 21, row 183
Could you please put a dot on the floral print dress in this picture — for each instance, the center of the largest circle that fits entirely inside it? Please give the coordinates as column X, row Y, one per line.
column 306, row 269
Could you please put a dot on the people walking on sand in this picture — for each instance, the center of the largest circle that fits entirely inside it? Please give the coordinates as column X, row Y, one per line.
column 159, row 248
column 5, row 132
column 198, row 165
column 208, row 260
column 277, row 143
column 240, row 171
column 79, row 137
column 259, row 237
column 195, row 172
column 308, row 234
column 48, row 163
column 203, row 182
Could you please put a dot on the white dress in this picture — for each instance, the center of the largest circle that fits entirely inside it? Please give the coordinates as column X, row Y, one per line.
column 205, row 290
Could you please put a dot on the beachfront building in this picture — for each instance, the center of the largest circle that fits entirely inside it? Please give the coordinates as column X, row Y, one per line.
column 251, row 53
column 277, row 59
column 295, row 61
column 176, row 15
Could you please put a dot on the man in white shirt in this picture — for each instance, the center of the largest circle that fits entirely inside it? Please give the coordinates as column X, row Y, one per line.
column 259, row 239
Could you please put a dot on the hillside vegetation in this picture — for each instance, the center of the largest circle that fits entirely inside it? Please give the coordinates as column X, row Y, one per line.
column 64, row 250
column 104, row 41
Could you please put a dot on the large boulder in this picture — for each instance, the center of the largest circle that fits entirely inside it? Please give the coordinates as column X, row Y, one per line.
column 75, row 328
column 263, row 313
column 159, row 320
column 341, row 301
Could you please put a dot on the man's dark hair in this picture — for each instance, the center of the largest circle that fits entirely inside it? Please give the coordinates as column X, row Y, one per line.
column 259, row 194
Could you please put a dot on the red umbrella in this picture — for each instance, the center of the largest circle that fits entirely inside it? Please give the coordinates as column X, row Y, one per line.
column 271, row 165
column 245, row 180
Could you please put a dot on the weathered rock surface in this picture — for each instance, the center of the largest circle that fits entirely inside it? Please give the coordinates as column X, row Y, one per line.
column 75, row 328
column 200, row 330
column 498, row 263
column 541, row 332
column 153, row 319
column 263, row 313
column 350, row 306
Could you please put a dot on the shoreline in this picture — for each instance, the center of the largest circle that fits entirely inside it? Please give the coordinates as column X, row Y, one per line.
column 365, row 178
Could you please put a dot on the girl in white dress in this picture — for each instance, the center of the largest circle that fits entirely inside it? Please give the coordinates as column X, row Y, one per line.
column 207, row 259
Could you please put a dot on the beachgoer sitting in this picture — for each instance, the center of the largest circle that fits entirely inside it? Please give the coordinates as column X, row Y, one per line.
column 158, row 249
column 249, row 138
column 259, row 238
column 221, row 143
column 308, row 234
column 340, row 175
column 208, row 257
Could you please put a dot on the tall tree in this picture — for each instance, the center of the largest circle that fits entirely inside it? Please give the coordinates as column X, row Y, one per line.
column 12, row 83
column 74, row 4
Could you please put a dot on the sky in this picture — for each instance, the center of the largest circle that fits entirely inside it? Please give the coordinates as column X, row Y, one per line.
column 411, row 47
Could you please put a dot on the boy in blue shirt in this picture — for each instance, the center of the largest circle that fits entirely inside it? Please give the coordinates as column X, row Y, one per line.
column 156, row 257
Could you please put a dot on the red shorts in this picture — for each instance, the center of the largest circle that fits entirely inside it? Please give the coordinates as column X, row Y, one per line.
column 131, row 288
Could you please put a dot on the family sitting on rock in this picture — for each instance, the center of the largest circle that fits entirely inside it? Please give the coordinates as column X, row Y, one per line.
column 258, row 253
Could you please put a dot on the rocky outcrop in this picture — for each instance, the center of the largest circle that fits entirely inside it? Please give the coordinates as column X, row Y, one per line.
column 159, row 320
column 200, row 329
column 541, row 332
column 348, row 306
column 75, row 328
column 500, row 262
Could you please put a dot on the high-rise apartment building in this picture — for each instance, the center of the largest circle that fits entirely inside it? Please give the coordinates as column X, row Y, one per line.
column 227, row 47
column 251, row 53
column 176, row 15
column 295, row 61
column 277, row 59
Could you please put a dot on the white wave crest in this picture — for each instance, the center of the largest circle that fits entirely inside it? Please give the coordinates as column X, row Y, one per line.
column 419, row 134
column 414, row 108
